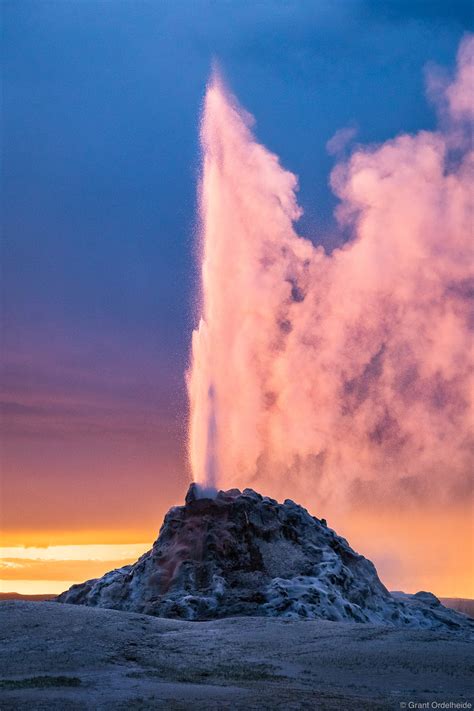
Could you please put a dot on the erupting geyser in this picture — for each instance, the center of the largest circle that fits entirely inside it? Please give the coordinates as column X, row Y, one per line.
column 344, row 374
column 247, row 205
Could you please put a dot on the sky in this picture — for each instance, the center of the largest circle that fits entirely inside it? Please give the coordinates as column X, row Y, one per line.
column 101, row 105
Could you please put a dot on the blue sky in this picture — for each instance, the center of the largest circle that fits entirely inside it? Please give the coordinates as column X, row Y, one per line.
column 100, row 157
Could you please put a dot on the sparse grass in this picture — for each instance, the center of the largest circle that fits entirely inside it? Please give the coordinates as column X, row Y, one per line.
column 254, row 672
column 218, row 675
column 39, row 682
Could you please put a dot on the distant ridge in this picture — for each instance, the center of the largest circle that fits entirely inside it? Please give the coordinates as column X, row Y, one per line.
column 19, row 596
column 461, row 604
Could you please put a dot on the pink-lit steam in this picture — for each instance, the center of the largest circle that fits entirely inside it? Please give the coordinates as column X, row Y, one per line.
column 342, row 376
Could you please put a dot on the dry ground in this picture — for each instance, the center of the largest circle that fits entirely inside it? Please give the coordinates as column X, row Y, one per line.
column 64, row 657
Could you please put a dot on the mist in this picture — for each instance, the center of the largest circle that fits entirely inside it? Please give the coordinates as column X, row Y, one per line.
column 340, row 376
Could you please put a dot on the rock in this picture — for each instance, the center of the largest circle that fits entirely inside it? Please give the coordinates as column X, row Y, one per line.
column 427, row 597
column 193, row 494
column 238, row 553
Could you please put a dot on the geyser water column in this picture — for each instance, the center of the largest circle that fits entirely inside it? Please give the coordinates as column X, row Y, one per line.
column 247, row 205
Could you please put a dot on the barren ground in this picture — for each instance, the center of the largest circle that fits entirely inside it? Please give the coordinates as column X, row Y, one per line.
column 64, row 657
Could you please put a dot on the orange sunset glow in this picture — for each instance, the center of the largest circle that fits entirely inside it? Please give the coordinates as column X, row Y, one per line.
column 430, row 551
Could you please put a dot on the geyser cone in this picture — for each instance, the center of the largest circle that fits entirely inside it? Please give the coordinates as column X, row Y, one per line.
column 243, row 554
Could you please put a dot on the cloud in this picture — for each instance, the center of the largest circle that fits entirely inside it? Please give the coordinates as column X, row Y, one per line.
column 22, row 569
column 339, row 141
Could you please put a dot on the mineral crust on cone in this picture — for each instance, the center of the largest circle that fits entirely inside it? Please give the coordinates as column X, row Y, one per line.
column 240, row 553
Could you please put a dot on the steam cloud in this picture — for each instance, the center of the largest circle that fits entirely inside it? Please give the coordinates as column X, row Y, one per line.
column 346, row 375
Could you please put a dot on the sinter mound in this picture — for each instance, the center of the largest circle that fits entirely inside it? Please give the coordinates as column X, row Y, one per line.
column 240, row 553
